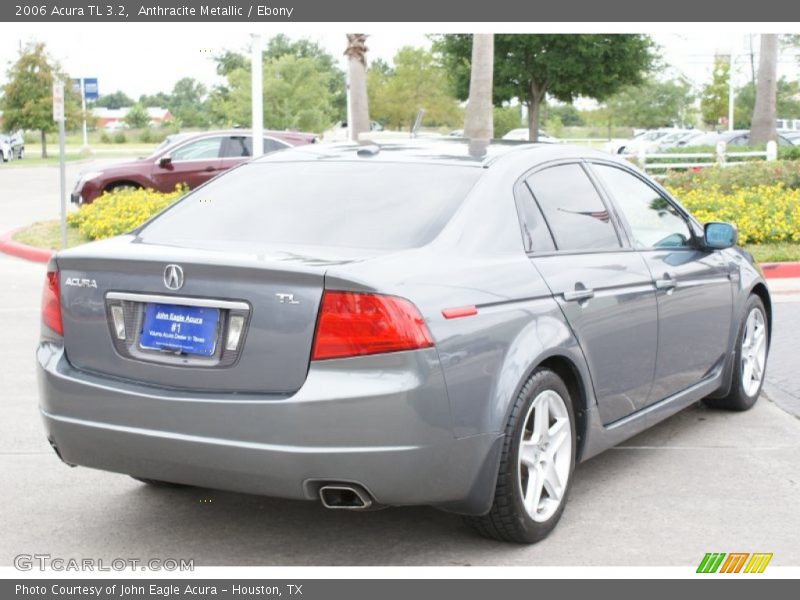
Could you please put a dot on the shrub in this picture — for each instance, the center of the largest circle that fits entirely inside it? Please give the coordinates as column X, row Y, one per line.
column 752, row 174
column 119, row 138
column 763, row 213
column 105, row 138
column 120, row 211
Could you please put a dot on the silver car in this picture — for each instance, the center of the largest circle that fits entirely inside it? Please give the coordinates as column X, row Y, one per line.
column 444, row 323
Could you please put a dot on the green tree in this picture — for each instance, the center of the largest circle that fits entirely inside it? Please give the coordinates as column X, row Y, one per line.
column 529, row 67
column 114, row 100
column 506, row 118
column 714, row 96
column 231, row 64
column 158, row 100
column 566, row 113
column 186, row 103
column 653, row 104
column 229, row 61
column 28, row 94
column 137, row 117
column 788, row 102
column 296, row 96
column 417, row 81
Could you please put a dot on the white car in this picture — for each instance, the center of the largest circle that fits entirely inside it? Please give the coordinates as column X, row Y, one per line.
column 522, row 134
column 648, row 140
column 12, row 146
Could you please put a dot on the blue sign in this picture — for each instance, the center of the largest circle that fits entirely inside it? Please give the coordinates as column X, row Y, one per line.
column 90, row 88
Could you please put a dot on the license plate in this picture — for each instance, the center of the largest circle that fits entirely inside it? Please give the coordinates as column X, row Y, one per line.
column 189, row 329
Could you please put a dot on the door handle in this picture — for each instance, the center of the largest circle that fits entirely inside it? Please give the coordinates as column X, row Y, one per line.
column 210, row 169
column 666, row 283
column 578, row 295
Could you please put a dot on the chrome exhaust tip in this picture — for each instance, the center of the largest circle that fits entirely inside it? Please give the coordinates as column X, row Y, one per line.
column 344, row 497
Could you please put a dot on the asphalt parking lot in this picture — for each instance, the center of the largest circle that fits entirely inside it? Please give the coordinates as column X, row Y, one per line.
column 702, row 481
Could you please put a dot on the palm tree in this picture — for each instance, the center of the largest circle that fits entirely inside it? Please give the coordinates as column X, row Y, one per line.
column 359, row 108
column 479, row 119
column 764, row 111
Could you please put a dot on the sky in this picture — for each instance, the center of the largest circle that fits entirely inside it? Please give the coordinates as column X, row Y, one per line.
column 140, row 58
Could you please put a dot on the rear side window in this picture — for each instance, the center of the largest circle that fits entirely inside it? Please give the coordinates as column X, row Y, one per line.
column 242, row 146
column 573, row 209
column 384, row 206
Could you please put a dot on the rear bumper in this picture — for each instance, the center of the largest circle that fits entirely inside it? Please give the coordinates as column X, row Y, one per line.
column 393, row 435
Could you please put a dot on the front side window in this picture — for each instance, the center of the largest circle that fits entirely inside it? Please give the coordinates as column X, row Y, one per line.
column 573, row 209
column 653, row 220
column 205, row 149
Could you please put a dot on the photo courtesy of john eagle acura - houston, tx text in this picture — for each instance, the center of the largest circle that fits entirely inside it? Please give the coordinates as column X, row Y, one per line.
column 444, row 323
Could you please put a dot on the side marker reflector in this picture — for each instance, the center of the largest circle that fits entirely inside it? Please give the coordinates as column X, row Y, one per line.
column 461, row 311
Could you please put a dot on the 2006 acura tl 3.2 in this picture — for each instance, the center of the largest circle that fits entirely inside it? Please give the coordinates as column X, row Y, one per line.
column 451, row 323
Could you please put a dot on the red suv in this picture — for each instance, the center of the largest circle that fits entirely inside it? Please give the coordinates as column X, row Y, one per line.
column 190, row 159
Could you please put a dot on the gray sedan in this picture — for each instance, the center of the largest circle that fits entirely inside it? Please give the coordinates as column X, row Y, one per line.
column 446, row 323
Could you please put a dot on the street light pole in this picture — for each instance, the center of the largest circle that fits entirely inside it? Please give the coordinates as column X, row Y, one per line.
column 257, row 95
column 83, row 111
column 730, row 92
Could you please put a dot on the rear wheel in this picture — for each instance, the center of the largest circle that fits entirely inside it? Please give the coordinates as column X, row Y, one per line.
column 750, row 362
column 536, row 465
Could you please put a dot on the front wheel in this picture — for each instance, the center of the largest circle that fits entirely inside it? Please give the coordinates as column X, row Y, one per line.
column 750, row 361
column 536, row 465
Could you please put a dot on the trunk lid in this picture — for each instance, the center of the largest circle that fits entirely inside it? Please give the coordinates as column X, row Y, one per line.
column 276, row 293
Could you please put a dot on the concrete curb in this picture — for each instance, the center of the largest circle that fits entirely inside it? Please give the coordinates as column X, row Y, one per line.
column 9, row 246
column 32, row 253
column 781, row 270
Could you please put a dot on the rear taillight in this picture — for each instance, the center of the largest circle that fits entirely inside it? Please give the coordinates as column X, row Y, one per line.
column 51, row 303
column 355, row 324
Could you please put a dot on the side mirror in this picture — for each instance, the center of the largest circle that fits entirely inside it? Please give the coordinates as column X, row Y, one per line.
column 718, row 236
column 165, row 161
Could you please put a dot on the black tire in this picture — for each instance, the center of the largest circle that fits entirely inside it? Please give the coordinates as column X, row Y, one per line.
column 738, row 399
column 158, row 483
column 20, row 153
column 508, row 519
column 116, row 187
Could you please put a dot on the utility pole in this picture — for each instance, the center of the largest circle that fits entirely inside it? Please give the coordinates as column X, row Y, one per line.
column 257, row 95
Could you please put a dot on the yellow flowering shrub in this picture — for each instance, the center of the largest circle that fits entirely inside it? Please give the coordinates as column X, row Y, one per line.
column 120, row 211
column 763, row 213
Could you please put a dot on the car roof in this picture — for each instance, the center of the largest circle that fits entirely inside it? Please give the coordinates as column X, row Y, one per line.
column 444, row 151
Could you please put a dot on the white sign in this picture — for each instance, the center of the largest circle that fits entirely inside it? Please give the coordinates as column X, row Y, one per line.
column 58, row 101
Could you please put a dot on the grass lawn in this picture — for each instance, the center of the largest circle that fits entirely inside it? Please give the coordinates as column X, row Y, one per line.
column 33, row 156
column 775, row 252
column 47, row 234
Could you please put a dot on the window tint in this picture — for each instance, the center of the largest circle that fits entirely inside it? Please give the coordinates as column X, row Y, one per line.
column 241, row 146
column 654, row 221
column 348, row 204
column 536, row 236
column 236, row 147
column 577, row 217
column 205, row 149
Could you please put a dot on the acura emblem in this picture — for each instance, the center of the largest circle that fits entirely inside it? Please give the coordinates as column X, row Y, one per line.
column 173, row 277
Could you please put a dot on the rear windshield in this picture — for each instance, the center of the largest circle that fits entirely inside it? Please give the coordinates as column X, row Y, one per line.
column 360, row 205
